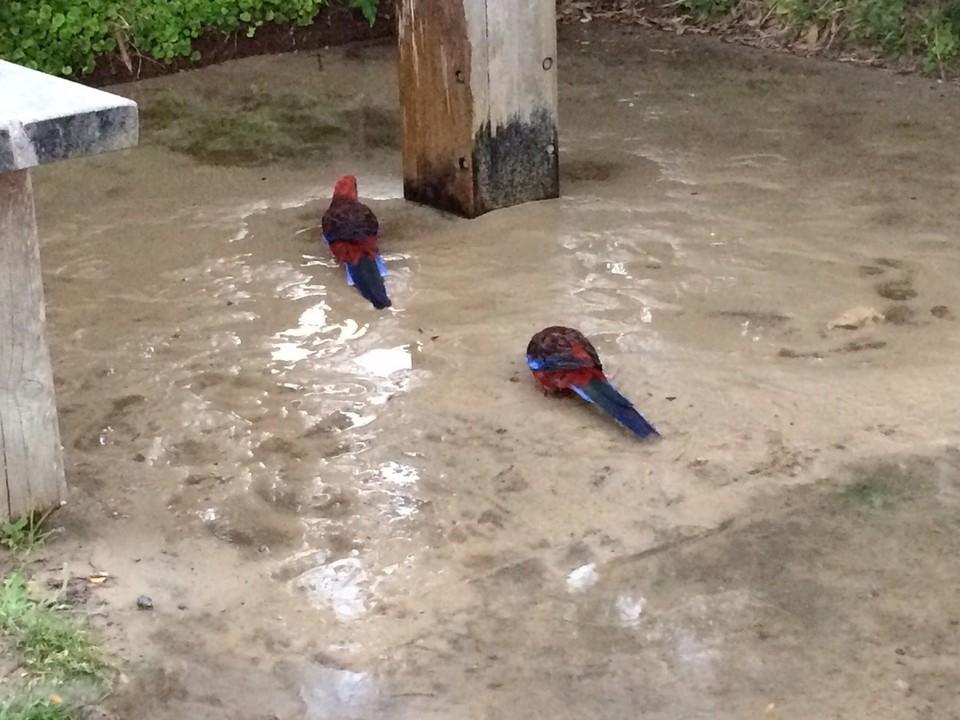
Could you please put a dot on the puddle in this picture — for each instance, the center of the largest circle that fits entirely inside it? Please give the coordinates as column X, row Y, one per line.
column 342, row 584
column 337, row 693
column 376, row 515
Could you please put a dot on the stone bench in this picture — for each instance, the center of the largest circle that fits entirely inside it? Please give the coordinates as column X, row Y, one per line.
column 43, row 119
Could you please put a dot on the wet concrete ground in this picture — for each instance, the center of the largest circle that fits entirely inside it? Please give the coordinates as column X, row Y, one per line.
column 341, row 513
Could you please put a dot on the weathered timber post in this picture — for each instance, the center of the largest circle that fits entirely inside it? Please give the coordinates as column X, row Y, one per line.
column 478, row 102
column 42, row 119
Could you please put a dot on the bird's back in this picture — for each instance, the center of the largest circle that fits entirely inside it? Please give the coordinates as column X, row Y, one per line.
column 348, row 220
column 560, row 341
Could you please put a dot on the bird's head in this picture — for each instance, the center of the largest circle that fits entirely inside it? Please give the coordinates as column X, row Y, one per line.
column 346, row 187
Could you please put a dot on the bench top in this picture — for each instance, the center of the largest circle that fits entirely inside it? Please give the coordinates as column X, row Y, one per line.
column 44, row 119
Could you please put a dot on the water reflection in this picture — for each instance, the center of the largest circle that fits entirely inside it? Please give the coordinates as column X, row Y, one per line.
column 313, row 321
column 332, row 693
column 397, row 482
column 343, row 585
column 582, row 578
column 628, row 610
column 400, row 475
column 384, row 362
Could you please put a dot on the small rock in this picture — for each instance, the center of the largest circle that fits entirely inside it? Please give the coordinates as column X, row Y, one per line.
column 140, row 457
column 855, row 318
column 144, row 603
column 902, row 685
column 182, row 606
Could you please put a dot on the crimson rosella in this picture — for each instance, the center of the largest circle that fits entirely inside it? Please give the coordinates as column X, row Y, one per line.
column 351, row 230
column 562, row 359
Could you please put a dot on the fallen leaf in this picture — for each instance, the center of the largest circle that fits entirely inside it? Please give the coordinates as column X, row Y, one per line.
column 855, row 318
column 56, row 699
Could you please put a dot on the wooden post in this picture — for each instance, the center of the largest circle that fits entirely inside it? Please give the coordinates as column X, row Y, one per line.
column 43, row 119
column 31, row 470
column 478, row 102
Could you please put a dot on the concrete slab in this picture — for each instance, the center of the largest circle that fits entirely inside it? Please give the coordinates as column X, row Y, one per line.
column 45, row 119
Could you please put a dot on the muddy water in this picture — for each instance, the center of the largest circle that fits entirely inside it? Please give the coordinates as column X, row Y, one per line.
column 341, row 513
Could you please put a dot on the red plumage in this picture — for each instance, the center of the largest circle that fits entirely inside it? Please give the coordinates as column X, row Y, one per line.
column 564, row 380
column 571, row 349
column 350, row 251
column 349, row 221
column 350, row 229
column 562, row 359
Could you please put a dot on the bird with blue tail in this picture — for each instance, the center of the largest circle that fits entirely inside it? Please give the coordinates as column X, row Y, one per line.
column 563, row 360
column 351, row 230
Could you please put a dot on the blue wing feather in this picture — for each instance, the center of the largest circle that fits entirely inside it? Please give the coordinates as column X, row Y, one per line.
column 553, row 363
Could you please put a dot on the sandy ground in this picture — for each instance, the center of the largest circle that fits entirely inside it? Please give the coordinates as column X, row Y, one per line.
column 346, row 514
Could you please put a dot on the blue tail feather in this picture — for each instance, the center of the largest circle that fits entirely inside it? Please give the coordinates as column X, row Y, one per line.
column 380, row 266
column 367, row 277
column 604, row 396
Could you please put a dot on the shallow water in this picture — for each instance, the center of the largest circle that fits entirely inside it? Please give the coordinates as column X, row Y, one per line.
column 348, row 513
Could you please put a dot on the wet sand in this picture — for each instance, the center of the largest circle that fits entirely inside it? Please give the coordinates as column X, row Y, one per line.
column 345, row 513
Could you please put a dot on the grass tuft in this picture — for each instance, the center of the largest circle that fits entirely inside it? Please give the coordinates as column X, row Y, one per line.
column 24, row 534
column 35, row 709
column 883, row 487
column 53, row 647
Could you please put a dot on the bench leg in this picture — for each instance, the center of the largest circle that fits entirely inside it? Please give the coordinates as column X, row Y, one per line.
column 31, row 461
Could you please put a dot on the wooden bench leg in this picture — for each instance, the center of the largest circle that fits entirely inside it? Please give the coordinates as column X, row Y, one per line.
column 31, row 463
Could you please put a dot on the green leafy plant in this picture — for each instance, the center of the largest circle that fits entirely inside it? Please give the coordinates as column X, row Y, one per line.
column 56, row 36
column 881, row 22
column 805, row 12
column 66, row 37
column 924, row 29
column 24, row 533
column 940, row 35
column 367, row 7
column 707, row 8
